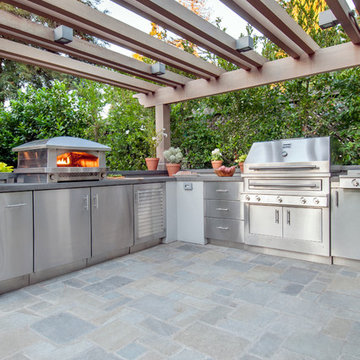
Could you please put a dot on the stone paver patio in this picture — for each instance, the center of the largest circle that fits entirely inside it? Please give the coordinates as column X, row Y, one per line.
column 187, row 302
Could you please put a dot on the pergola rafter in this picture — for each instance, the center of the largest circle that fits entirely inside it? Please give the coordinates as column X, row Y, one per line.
column 341, row 10
column 36, row 34
column 84, row 18
column 180, row 20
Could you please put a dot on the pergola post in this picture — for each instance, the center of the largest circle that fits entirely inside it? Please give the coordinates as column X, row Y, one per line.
column 162, row 120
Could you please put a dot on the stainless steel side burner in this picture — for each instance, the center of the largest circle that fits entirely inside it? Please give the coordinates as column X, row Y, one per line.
column 60, row 159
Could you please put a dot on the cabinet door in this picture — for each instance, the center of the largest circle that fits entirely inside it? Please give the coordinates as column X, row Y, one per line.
column 302, row 223
column 16, row 234
column 265, row 220
column 62, row 227
column 112, row 218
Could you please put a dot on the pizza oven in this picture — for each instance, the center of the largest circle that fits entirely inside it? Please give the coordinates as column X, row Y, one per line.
column 60, row 159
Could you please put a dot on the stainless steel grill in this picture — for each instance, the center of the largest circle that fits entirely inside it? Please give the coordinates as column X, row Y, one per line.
column 286, row 194
column 60, row 159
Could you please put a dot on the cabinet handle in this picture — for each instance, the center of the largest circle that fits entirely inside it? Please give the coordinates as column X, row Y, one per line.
column 288, row 217
column 96, row 201
column 222, row 228
column 15, row 205
column 222, row 190
column 86, row 202
column 221, row 209
column 337, row 198
column 276, row 216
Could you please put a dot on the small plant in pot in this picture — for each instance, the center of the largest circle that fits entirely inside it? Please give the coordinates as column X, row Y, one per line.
column 216, row 158
column 173, row 156
column 240, row 160
column 154, row 140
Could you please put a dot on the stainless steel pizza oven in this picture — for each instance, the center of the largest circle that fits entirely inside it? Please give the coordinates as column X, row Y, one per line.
column 60, row 159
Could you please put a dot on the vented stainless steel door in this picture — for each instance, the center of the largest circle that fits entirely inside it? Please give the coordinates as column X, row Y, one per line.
column 149, row 212
column 62, row 227
column 112, row 218
column 16, row 234
column 265, row 220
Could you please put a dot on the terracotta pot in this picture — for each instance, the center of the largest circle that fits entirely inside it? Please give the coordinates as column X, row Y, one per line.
column 216, row 163
column 172, row 169
column 152, row 163
column 241, row 166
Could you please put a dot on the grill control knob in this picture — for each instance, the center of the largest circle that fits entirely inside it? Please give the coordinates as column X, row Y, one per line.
column 316, row 201
column 355, row 182
column 52, row 177
column 303, row 200
column 279, row 199
column 247, row 197
column 257, row 197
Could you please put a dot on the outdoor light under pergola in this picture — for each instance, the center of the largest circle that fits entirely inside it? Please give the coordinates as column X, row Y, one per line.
column 63, row 34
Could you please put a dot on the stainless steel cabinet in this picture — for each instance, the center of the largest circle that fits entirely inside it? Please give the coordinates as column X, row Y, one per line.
column 224, row 213
column 149, row 210
column 298, row 229
column 345, row 223
column 16, row 234
column 61, row 227
column 112, row 218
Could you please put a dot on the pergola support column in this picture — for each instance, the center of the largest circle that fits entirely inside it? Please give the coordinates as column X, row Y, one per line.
column 162, row 119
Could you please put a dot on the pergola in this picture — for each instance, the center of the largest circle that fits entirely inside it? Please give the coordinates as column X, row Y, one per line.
column 305, row 57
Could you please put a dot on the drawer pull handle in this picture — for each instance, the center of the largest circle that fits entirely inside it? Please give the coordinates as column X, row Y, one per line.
column 15, row 205
column 222, row 228
column 221, row 209
column 222, row 190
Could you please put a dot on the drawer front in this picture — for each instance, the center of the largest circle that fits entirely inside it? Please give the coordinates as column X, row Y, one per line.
column 222, row 190
column 225, row 209
column 224, row 229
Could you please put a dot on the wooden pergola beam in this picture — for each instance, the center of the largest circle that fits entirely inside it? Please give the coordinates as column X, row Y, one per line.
column 18, row 52
column 245, row 10
column 324, row 60
column 341, row 10
column 93, row 22
column 173, row 16
column 36, row 34
column 283, row 21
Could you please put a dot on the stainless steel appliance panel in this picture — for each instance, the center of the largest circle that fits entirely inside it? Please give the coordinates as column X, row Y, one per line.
column 16, row 234
column 345, row 224
column 112, row 218
column 302, row 224
column 61, row 227
column 222, row 190
column 288, row 184
column 265, row 220
column 149, row 210
column 224, row 229
column 224, row 209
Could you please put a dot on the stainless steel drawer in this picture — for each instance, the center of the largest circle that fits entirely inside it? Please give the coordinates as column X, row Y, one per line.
column 224, row 229
column 222, row 190
column 224, row 209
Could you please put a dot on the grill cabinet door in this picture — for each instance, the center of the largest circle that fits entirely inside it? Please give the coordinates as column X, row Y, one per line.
column 302, row 224
column 265, row 220
column 112, row 219
column 61, row 226
column 149, row 212
column 16, row 234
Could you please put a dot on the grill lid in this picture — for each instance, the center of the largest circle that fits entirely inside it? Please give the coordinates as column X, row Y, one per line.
column 63, row 142
column 302, row 150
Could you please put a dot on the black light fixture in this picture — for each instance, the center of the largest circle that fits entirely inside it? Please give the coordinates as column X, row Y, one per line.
column 244, row 43
column 327, row 19
column 63, row 34
column 158, row 69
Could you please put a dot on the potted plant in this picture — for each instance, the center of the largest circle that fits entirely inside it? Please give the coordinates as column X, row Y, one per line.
column 240, row 160
column 216, row 158
column 154, row 141
column 173, row 156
